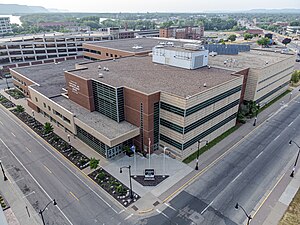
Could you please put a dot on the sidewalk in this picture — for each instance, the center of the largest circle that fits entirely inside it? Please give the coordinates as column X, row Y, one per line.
column 17, row 213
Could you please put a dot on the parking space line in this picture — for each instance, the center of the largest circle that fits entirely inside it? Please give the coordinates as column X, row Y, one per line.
column 207, row 207
column 74, row 195
column 167, row 204
column 259, row 155
column 157, row 210
column 47, row 169
column 27, row 149
column 25, row 196
column 128, row 216
column 13, row 134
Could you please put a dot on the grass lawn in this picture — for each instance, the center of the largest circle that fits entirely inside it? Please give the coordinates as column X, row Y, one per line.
column 292, row 214
column 274, row 100
column 211, row 144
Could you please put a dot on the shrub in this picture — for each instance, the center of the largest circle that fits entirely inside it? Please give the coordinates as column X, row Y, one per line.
column 94, row 163
column 20, row 109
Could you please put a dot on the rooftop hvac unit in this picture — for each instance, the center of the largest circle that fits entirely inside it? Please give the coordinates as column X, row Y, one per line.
column 137, row 47
column 213, row 53
column 193, row 47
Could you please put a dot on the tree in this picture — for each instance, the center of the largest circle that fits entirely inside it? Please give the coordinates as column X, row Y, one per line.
column 295, row 77
column 263, row 41
column 48, row 128
column 286, row 41
column 20, row 109
column 94, row 163
column 232, row 37
column 295, row 23
column 247, row 36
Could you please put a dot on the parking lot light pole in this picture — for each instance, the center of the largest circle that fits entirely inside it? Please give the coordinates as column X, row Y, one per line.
column 248, row 216
column 4, row 176
column 294, row 168
column 198, row 153
column 129, row 168
column 41, row 211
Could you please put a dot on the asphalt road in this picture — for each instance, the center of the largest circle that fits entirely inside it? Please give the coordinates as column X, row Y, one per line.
column 244, row 175
column 42, row 174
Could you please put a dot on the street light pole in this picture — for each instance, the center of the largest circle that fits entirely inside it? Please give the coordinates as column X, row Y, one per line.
column 4, row 176
column 41, row 211
column 248, row 216
column 256, row 113
column 129, row 168
column 165, row 148
column 69, row 140
column 198, row 153
column 294, row 168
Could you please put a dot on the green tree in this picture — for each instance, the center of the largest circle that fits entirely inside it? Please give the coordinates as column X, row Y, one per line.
column 247, row 36
column 48, row 128
column 263, row 41
column 20, row 109
column 94, row 163
column 232, row 37
column 295, row 77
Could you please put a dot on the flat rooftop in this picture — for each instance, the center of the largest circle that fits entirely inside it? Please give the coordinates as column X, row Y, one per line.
column 146, row 44
column 50, row 76
column 251, row 59
column 104, row 125
column 140, row 73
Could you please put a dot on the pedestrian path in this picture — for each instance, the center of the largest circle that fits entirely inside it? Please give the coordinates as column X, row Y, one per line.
column 21, row 211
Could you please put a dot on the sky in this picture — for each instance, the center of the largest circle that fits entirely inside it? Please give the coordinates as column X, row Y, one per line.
column 157, row 5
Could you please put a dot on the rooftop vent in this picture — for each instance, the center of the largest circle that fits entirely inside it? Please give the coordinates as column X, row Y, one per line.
column 159, row 46
column 204, row 85
column 99, row 67
column 105, row 69
column 100, row 75
column 137, row 47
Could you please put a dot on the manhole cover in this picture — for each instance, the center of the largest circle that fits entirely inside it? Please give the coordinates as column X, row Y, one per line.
column 156, row 203
column 134, row 208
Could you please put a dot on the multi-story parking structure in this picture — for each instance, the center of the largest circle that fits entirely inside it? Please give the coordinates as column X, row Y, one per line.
column 37, row 49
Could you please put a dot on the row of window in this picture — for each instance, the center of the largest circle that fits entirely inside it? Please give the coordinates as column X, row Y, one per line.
column 20, row 81
column 198, row 123
column 201, row 105
column 273, row 82
column 156, row 123
column 271, row 92
column 189, row 143
column 275, row 74
column 107, row 54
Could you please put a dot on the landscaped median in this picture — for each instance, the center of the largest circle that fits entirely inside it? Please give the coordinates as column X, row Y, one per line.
column 113, row 187
column 46, row 132
column 6, row 103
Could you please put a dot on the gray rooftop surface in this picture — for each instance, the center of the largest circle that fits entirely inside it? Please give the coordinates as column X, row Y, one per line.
column 49, row 76
column 139, row 73
column 251, row 59
column 104, row 125
column 127, row 44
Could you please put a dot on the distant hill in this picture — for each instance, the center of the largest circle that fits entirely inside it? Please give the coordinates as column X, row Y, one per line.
column 8, row 9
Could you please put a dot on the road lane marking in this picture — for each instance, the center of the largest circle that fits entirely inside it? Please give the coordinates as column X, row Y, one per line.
column 128, row 216
column 35, row 180
column 167, row 204
column 74, row 195
column 236, row 177
column 207, row 207
column 291, row 123
column 25, row 196
column 1, row 122
column 259, row 155
column 27, row 149
column 157, row 210
column 13, row 134
column 63, row 164
column 277, row 137
column 268, row 195
column 47, row 168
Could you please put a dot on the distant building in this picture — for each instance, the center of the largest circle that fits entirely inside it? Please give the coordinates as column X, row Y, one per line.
column 5, row 26
column 117, row 33
column 255, row 31
column 293, row 29
column 194, row 33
